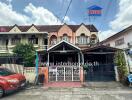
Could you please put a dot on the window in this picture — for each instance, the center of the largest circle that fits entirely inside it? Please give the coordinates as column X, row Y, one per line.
column 82, row 39
column 15, row 40
column 93, row 39
column 108, row 44
column 53, row 40
column 33, row 39
column 2, row 41
column 45, row 41
column 119, row 42
column 65, row 37
column 5, row 72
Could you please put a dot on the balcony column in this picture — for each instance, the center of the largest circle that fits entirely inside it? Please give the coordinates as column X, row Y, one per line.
column 40, row 40
column 9, row 41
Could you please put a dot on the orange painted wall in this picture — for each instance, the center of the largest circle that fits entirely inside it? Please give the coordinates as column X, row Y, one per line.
column 63, row 30
column 46, row 79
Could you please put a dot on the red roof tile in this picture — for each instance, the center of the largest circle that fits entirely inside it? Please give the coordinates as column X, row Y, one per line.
column 46, row 28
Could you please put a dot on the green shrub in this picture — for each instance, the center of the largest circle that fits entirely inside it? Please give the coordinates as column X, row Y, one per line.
column 120, row 62
column 27, row 52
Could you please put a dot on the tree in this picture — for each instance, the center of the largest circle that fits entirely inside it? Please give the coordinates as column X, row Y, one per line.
column 27, row 52
column 121, row 64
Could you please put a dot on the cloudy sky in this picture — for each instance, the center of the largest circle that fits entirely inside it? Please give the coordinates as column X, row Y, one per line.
column 116, row 14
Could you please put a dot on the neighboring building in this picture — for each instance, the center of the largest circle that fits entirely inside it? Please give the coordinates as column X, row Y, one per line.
column 43, row 36
column 122, row 40
column 64, row 48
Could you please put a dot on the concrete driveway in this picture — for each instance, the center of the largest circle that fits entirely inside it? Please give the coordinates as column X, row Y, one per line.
column 41, row 93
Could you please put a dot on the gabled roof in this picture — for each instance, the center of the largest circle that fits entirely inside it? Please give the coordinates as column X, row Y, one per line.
column 15, row 27
column 61, row 42
column 46, row 28
column 117, row 34
column 33, row 27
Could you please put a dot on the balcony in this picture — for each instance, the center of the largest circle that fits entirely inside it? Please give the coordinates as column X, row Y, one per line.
column 42, row 47
column 3, row 49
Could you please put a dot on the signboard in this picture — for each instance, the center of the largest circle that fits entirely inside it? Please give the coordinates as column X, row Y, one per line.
column 94, row 10
column 130, row 78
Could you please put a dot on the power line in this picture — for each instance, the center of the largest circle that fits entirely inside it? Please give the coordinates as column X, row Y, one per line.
column 66, row 11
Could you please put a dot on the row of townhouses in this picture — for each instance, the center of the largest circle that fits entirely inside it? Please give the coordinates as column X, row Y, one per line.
column 64, row 48
column 43, row 36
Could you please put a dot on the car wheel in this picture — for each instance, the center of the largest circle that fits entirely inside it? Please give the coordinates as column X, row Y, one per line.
column 1, row 92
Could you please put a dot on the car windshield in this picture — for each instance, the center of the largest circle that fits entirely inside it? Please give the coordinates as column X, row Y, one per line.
column 5, row 72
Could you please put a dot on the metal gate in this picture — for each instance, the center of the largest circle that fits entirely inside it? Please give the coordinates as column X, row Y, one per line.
column 103, row 72
column 64, row 73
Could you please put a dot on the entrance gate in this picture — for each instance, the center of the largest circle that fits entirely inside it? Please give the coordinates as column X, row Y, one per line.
column 64, row 73
column 104, row 72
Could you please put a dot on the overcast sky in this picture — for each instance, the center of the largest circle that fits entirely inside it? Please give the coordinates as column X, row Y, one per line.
column 116, row 14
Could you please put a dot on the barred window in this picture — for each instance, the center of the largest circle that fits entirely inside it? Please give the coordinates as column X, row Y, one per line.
column 119, row 42
column 82, row 39
column 53, row 40
column 33, row 39
column 15, row 40
column 66, row 38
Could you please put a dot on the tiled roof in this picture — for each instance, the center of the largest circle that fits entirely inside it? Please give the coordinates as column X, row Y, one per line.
column 46, row 28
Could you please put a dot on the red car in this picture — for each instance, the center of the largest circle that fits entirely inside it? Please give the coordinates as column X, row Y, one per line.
column 10, row 81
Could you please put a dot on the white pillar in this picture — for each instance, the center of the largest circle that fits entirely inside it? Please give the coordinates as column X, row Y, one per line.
column 56, row 74
column 9, row 43
column 126, row 59
column 64, row 74
column 116, row 74
column 82, row 55
column 72, row 74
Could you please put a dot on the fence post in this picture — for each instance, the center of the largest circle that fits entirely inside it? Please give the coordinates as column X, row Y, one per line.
column 116, row 74
column 81, row 75
column 46, row 75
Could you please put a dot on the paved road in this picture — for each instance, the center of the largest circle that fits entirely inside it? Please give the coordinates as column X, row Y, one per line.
column 71, row 94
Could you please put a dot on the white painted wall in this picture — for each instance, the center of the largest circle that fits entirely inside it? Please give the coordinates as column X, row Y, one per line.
column 127, row 39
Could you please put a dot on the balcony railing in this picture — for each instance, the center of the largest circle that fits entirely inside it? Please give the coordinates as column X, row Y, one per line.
column 3, row 48
column 8, row 48
column 44, row 47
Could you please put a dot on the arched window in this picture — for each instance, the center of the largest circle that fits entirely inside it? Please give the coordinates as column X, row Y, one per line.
column 15, row 40
column 82, row 39
column 33, row 39
column 53, row 40
column 93, row 38
column 65, row 37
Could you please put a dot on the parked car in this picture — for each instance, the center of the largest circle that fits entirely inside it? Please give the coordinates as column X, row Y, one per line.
column 10, row 81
